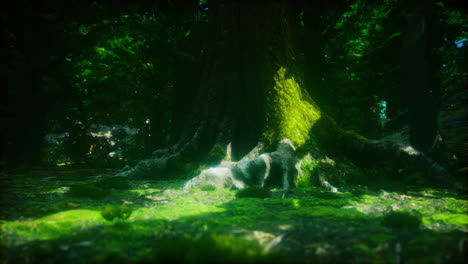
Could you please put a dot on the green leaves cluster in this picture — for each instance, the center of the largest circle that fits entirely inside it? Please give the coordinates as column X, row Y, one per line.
column 350, row 50
column 119, row 212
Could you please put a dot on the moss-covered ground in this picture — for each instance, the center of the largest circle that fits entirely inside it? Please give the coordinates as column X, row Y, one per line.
column 46, row 219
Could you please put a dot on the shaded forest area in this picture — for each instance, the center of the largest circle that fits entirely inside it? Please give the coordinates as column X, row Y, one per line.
column 234, row 131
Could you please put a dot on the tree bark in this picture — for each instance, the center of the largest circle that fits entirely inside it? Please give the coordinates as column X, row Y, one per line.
column 251, row 95
column 420, row 67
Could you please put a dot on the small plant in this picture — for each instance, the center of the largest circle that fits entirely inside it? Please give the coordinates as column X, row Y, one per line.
column 120, row 212
column 254, row 192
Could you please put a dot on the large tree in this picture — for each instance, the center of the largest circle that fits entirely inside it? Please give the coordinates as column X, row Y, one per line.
column 251, row 93
column 250, row 89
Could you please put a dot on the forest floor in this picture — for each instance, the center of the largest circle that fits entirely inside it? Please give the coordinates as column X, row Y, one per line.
column 49, row 217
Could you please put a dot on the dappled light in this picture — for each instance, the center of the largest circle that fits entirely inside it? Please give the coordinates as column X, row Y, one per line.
column 323, row 222
column 196, row 131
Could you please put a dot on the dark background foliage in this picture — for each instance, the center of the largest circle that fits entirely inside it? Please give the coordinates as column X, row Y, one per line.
column 73, row 71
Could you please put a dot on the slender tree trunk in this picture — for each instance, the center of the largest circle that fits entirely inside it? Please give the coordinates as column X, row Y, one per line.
column 420, row 86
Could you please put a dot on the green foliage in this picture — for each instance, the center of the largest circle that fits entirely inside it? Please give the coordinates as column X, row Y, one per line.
column 120, row 212
column 115, row 72
column 253, row 192
column 402, row 220
column 53, row 155
column 355, row 79
column 119, row 72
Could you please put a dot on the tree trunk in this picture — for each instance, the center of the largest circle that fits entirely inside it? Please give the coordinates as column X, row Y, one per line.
column 420, row 67
column 251, row 95
column 251, row 89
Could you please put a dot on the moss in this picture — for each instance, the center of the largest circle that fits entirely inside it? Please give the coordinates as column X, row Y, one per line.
column 328, row 195
column 212, row 249
column 291, row 112
column 53, row 226
column 308, row 165
column 459, row 220
column 254, row 192
column 118, row 183
column 402, row 220
column 89, row 190
column 208, row 188
column 323, row 211
column 360, row 192
column 213, row 224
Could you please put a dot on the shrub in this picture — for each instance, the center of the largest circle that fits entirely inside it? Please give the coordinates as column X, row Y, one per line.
column 120, row 212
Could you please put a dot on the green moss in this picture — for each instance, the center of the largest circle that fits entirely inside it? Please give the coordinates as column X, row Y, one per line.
column 328, row 195
column 169, row 224
column 212, row 249
column 254, row 192
column 459, row 220
column 89, row 190
column 208, row 188
column 402, row 220
column 359, row 192
column 54, row 226
column 308, row 165
column 323, row 211
column 291, row 112
column 118, row 183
